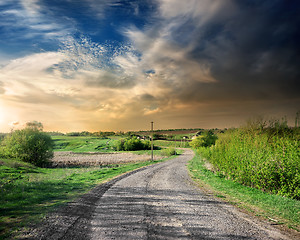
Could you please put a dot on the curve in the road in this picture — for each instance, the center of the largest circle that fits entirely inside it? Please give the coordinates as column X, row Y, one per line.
column 162, row 203
column 156, row 202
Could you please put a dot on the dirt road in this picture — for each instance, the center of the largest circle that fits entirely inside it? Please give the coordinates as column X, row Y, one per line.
column 159, row 202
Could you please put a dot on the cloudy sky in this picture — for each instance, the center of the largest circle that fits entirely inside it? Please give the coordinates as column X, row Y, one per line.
column 119, row 64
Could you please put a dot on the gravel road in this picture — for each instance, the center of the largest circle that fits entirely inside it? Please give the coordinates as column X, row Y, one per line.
column 157, row 202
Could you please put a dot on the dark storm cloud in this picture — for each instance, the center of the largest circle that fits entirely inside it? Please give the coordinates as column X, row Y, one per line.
column 253, row 53
column 147, row 97
column 223, row 57
column 250, row 48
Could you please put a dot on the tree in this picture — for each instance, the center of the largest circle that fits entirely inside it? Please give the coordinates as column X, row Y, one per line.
column 206, row 140
column 29, row 145
column 35, row 125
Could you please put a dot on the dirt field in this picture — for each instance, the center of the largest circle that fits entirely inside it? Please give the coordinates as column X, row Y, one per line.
column 64, row 159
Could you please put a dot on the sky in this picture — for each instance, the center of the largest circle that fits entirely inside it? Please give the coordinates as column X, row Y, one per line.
column 101, row 65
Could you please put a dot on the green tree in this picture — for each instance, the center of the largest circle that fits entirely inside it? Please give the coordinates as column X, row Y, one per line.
column 206, row 140
column 35, row 125
column 29, row 145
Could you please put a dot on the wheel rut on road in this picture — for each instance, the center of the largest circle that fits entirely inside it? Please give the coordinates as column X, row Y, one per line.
column 156, row 202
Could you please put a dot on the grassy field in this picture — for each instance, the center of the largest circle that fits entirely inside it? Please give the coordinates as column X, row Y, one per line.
column 83, row 144
column 173, row 144
column 94, row 144
column 28, row 192
column 277, row 209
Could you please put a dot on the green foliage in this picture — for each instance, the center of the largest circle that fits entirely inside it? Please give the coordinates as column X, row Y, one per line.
column 2, row 136
column 258, row 155
column 157, row 136
column 29, row 145
column 90, row 134
column 206, row 140
column 35, row 125
column 132, row 144
column 169, row 152
column 76, row 134
column 56, row 133
column 284, row 210
column 103, row 134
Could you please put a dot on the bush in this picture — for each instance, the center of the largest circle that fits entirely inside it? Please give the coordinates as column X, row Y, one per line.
column 206, row 140
column 263, row 156
column 132, row 144
column 169, row 152
column 29, row 145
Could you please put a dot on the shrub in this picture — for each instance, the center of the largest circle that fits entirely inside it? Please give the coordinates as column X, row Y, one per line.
column 206, row 140
column 258, row 155
column 119, row 145
column 169, row 152
column 132, row 144
column 29, row 145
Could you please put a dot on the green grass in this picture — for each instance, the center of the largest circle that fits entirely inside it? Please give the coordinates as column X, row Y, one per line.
column 165, row 143
column 27, row 192
column 159, row 152
column 82, row 144
column 94, row 144
column 284, row 210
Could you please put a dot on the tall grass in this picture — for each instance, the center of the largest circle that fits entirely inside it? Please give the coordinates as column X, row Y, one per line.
column 275, row 208
column 260, row 155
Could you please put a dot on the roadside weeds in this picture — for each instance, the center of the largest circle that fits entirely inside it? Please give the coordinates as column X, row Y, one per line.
column 280, row 212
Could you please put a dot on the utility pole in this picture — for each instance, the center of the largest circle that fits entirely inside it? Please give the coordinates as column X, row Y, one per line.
column 151, row 141
column 175, row 143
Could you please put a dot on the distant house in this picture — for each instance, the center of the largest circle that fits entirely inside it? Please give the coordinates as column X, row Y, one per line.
column 199, row 133
column 142, row 137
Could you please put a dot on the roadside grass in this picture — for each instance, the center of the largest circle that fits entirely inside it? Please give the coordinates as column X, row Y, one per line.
column 27, row 192
column 277, row 209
